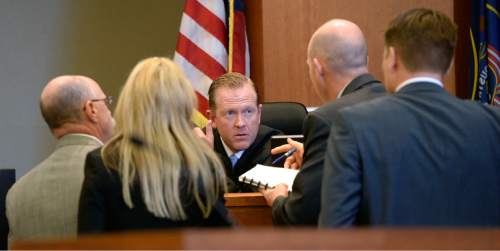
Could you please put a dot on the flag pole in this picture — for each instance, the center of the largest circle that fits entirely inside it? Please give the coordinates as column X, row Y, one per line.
column 231, row 29
column 476, row 64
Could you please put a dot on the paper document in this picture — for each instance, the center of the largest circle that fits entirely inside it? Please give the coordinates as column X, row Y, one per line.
column 268, row 177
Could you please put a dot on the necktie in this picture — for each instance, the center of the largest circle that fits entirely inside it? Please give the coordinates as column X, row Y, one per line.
column 233, row 159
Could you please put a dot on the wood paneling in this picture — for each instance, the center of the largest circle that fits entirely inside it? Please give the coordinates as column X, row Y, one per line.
column 279, row 31
column 462, row 16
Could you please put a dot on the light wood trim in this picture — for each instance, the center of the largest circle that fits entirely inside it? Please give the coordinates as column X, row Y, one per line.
column 244, row 199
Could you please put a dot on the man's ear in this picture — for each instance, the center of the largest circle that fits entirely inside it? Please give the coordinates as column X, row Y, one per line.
column 320, row 85
column 392, row 58
column 318, row 68
column 90, row 111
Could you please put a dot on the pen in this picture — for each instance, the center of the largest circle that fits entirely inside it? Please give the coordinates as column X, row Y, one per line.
column 285, row 155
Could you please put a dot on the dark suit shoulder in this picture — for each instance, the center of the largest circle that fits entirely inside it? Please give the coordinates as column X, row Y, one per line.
column 96, row 152
column 362, row 95
column 95, row 168
column 486, row 110
column 317, row 123
column 303, row 204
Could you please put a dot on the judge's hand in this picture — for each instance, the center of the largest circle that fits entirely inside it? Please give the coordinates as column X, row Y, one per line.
column 294, row 161
column 271, row 194
column 208, row 136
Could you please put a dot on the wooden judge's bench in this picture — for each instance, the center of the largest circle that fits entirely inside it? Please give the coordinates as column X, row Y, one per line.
column 280, row 238
column 256, row 232
column 249, row 209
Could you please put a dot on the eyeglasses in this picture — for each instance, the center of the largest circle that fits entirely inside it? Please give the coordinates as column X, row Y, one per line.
column 108, row 100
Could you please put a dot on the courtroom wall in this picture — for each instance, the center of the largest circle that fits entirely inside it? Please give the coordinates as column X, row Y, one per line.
column 105, row 38
column 41, row 39
column 279, row 32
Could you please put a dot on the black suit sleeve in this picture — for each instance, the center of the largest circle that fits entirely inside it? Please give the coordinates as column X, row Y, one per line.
column 91, row 211
column 341, row 185
column 302, row 204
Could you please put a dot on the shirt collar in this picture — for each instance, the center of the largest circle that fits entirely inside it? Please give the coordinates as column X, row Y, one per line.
column 229, row 152
column 341, row 92
column 418, row 79
column 89, row 136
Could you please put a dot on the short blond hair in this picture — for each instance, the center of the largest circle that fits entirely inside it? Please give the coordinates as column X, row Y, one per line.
column 231, row 80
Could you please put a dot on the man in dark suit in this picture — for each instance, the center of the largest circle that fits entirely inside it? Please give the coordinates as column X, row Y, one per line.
column 337, row 60
column 419, row 157
column 238, row 137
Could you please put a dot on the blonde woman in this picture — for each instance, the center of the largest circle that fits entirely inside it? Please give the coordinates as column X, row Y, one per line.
column 154, row 172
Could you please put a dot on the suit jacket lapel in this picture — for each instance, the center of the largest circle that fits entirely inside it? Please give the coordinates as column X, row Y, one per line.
column 359, row 82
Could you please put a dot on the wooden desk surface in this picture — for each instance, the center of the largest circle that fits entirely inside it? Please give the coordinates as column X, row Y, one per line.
column 249, row 209
column 282, row 238
column 244, row 199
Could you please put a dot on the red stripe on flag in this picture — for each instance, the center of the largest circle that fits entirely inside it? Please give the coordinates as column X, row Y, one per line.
column 239, row 39
column 491, row 57
column 207, row 20
column 491, row 47
column 202, row 104
column 199, row 58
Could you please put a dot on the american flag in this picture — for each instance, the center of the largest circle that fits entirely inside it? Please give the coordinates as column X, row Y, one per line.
column 207, row 33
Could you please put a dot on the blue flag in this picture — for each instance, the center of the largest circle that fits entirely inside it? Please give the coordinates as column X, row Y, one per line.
column 485, row 44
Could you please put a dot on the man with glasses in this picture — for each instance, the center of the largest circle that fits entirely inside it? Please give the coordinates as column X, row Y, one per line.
column 44, row 202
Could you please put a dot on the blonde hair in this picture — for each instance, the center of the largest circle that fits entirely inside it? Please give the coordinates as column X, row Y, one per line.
column 155, row 107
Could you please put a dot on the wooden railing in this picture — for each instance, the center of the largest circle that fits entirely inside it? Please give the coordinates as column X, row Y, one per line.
column 254, row 232
column 281, row 238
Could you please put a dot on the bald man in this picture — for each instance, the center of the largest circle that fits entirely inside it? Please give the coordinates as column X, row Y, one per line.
column 44, row 202
column 419, row 157
column 337, row 60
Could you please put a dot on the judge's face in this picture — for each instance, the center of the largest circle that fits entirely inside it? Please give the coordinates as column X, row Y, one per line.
column 236, row 116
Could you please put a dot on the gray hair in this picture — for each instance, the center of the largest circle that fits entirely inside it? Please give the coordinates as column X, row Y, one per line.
column 66, row 104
